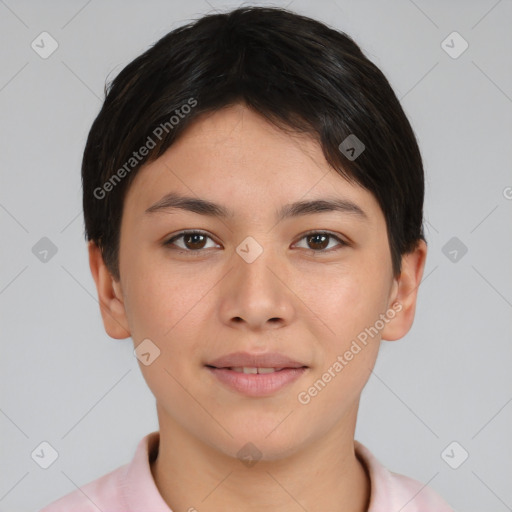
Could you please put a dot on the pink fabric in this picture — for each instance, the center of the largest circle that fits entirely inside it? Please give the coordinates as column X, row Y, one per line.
column 131, row 488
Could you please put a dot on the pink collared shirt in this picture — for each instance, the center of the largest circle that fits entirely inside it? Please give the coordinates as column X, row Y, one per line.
column 131, row 488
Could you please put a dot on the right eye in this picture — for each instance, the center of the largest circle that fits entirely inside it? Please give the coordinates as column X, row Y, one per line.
column 193, row 241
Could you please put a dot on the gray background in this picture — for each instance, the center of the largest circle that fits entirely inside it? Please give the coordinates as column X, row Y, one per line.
column 66, row 382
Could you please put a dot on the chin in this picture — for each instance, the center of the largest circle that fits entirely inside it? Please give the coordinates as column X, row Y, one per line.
column 252, row 444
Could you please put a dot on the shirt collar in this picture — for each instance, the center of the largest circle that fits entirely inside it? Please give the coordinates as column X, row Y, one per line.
column 139, row 490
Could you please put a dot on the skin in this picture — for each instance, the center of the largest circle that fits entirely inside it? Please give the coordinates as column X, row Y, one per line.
column 307, row 305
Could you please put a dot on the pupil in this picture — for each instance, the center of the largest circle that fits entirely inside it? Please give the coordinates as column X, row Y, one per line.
column 194, row 236
column 323, row 244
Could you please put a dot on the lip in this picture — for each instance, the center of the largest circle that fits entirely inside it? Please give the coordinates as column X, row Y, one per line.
column 266, row 360
column 259, row 384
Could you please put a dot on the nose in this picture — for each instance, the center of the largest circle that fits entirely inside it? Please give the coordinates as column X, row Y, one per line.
column 255, row 294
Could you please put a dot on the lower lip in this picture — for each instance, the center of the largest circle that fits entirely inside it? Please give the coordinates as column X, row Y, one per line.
column 257, row 384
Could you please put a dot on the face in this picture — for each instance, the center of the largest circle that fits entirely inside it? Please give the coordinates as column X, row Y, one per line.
column 304, row 286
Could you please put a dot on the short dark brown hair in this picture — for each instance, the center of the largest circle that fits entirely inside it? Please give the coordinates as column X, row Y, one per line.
column 297, row 72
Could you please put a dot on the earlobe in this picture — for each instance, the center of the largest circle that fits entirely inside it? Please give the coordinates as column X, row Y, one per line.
column 405, row 293
column 111, row 301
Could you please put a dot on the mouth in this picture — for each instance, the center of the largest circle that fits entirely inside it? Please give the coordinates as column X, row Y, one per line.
column 252, row 370
column 257, row 381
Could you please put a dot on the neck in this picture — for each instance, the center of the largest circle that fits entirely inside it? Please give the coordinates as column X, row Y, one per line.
column 190, row 474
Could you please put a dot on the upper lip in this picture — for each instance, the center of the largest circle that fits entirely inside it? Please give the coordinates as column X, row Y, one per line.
column 247, row 360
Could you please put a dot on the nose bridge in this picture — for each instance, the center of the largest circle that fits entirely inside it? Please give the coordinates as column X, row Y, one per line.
column 254, row 262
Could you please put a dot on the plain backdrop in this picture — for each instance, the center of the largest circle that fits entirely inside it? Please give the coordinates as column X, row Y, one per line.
column 66, row 383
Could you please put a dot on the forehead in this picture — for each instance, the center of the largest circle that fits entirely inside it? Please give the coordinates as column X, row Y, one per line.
column 236, row 158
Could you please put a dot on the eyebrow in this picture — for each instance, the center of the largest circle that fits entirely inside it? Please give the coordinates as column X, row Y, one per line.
column 205, row 207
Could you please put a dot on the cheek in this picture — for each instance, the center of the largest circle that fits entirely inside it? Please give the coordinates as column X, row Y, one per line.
column 162, row 307
column 170, row 310
column 348, row 352
column 343, row 300
column 159, row 296
column 348, row 306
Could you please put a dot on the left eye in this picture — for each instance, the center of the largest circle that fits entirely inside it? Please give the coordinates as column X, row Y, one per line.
column 194, row 241
column 319, row 238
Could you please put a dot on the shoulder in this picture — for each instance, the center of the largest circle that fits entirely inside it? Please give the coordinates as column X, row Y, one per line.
column 129, row 487
column 415, row 496
column 100, row 494
column 392, row 491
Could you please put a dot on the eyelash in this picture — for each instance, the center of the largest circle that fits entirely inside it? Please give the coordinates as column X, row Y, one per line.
column 170, row 242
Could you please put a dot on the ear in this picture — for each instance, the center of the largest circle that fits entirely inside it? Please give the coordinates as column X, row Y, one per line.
column 109, row 294
column 404, row 293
